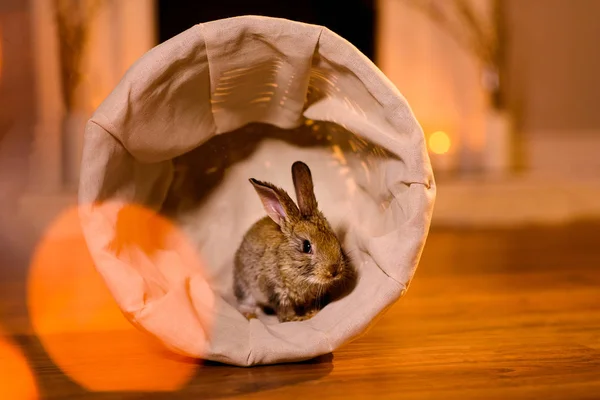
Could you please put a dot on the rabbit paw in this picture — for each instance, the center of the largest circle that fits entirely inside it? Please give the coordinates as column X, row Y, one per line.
column 304, row 317
column 250, row 315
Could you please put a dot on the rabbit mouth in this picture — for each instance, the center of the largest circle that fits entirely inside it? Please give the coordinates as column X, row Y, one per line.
column 326, row 280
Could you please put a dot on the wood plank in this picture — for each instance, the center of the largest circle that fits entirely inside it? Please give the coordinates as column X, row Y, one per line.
column 491, row 314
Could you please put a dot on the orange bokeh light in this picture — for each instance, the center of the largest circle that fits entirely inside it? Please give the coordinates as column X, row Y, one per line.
column 439, row 142
column 80, row 324
column 16, row 378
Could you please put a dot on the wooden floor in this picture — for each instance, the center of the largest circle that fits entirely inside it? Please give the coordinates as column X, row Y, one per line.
column 490, row 315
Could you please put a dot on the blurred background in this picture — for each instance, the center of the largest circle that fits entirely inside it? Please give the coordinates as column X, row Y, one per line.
column 507, row 93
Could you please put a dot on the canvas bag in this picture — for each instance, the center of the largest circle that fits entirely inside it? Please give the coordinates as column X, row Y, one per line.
column 244, row 98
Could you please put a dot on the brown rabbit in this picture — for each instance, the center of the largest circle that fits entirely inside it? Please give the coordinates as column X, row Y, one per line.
column 291, row 260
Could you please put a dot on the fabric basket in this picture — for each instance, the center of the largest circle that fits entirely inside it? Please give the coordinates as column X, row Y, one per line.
column 195, row 118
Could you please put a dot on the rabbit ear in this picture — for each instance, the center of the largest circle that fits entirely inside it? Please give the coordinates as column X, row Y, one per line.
column 304, row 188
column 276, row 202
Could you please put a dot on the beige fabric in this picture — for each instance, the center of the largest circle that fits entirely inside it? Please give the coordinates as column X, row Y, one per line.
column 259, row 79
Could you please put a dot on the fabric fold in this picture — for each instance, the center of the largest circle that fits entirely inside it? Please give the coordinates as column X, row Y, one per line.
column 195, row 118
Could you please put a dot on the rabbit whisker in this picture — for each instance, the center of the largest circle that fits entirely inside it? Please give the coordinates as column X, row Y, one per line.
column 320, row 291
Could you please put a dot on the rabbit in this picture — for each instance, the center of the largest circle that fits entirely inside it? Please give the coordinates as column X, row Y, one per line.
column 290, row 261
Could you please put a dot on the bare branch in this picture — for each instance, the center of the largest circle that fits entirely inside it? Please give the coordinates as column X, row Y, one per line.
column 73, row 19
column 468, row 29
column 480, row 36
column 483, row 37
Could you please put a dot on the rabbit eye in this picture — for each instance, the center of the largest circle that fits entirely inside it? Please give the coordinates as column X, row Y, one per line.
column 306, row 247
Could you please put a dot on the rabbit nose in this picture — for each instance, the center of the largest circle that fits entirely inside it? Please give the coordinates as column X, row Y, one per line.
column 334, row 270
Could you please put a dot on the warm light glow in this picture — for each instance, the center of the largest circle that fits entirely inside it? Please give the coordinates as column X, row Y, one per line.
column 16, row 379
column 78, row 321
column 439, row 142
